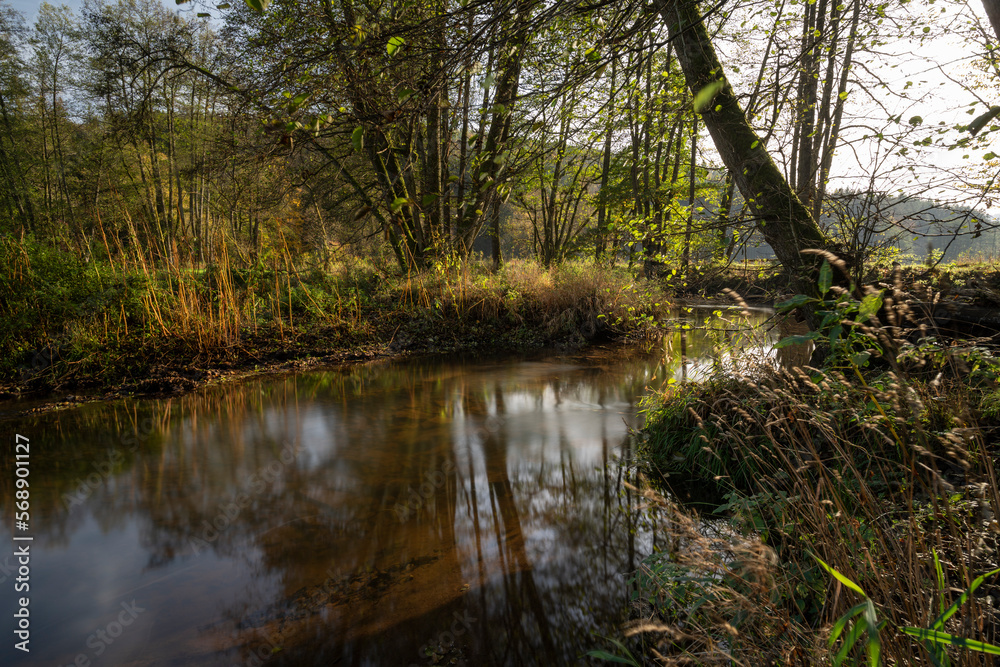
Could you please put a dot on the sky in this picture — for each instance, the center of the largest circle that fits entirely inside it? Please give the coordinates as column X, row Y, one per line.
column 29, row 8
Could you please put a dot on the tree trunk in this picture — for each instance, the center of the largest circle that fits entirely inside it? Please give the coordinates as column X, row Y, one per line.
column 602, row 197
column 993, row 12
column 785, row 223
column 833, row 130
column 692, row 182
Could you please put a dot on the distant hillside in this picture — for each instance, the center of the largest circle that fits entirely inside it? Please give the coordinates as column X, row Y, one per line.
column 914, row 225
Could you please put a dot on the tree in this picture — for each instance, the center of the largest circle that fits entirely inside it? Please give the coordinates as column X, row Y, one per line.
column 13, row 135
column 56, row 49
column 786, row 224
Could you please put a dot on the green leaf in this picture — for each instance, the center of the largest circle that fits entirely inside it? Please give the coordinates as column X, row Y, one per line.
column 358, row 138
column 825, row 278
column 610, row 657
column 861, row 358
column 703, row 98
column 488, row 80
column 404, row 94
column 427, row 200
column 843, row 95
column 794, row 302
column 224, row 5
column 842, row 622
column 755, row 144
column 977, row 582
column 629, row 659
column 203, row 15
column 398, row 203
column 258, row 5
column 839, row 577
column 869, row 306
column 849, row 641
column 796, row 340
column 945, row 639
column 394, row 43
column 874, row 642
column 939, row 572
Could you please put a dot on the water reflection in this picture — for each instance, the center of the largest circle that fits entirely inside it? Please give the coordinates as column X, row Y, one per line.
column 713, row 339
column 400, row 513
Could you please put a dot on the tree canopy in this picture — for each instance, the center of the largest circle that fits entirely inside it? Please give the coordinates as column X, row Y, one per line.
column 673, row 133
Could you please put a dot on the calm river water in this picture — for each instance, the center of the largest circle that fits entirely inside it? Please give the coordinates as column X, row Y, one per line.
column 431, row 511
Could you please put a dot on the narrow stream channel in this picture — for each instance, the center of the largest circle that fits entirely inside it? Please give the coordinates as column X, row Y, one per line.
column 429, row 511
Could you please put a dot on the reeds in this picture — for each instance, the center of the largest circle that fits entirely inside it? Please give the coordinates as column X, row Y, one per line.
column 571, row 298
column 67, row 319
column 883, row 471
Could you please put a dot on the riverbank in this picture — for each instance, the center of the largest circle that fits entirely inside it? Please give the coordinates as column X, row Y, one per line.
column 860, row 498
column 102, row 330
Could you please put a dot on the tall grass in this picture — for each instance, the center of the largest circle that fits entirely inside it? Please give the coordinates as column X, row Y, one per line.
column 61, row 316
column 571, row 298
column 64, row 320
column 875, row 470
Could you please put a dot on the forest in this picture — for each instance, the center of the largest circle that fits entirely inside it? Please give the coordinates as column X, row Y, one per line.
column 143, row 148
column 412, row 131
column 207, row 190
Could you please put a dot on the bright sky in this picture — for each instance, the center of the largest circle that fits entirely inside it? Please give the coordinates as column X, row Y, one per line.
column 924, row 75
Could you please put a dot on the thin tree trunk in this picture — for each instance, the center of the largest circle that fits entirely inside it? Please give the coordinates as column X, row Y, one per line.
column 692, row 178
column 809, row 73
column 24, row 206
column 61, row 162
column 602, row 198
column 463, row 149
column 432, row 170
column 993, row 13
column 830, row 141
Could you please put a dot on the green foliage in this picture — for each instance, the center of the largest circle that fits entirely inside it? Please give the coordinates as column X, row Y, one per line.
column 846, row 461
column 258, row 6
column 861, row 620
column 704, row 97
column 841, row 313
column 48, row 297
column 625, row 657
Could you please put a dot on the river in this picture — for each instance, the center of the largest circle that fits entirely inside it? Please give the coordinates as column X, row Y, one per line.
column 425, row 511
